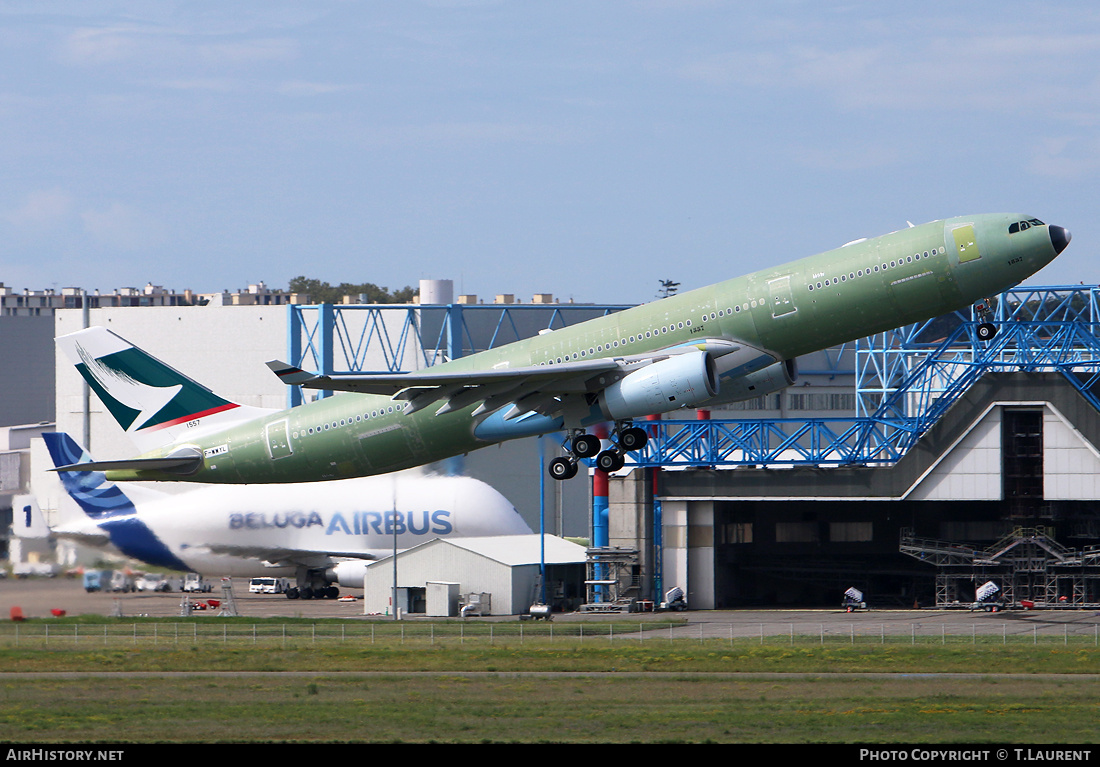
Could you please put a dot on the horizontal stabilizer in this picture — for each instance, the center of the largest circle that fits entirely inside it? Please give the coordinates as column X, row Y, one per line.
column 174, row 464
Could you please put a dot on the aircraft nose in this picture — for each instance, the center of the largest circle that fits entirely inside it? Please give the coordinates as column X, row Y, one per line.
column 1059, row 238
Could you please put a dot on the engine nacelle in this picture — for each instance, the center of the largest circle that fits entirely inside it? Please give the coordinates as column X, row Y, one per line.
column 350, row 574
column 683, row 380
column 778, row 375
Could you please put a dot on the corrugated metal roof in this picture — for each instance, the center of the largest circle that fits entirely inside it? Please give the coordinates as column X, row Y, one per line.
column 512, row 550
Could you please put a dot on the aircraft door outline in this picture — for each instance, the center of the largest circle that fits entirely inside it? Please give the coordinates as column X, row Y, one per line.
column 779, row 292
column 966, row 243
column 278, row 441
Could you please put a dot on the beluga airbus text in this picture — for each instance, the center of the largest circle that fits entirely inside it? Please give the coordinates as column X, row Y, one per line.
column 723, row 343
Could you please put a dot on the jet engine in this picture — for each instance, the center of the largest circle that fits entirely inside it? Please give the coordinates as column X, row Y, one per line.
column 683, row 380
column 778, row 375
column 350, row 574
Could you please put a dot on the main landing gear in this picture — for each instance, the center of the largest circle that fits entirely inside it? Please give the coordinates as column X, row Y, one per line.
column 986, row 330
column 626, row 438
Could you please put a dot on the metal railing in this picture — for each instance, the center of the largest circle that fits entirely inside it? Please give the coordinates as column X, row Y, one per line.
column 863, row 630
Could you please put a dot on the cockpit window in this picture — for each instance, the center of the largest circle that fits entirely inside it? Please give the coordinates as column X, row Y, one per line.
column 1020, row 226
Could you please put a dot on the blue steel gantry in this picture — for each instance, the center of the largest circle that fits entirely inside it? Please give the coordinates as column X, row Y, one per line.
column 906, row 379
column 334, row 339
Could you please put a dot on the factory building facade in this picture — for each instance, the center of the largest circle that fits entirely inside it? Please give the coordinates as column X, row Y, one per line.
column 1014, row 459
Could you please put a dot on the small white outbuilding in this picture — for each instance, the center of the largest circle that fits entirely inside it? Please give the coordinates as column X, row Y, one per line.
column 504, row 567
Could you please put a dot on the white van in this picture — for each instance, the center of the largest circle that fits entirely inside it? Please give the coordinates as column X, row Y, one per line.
column 267, row 585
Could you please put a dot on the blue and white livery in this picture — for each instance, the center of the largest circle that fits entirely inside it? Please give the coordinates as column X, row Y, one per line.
column 318, row 533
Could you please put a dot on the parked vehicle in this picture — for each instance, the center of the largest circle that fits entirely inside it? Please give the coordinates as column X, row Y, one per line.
column 194, row 584
column 95, row 579
column 27, row 569
column 268, row 585
column 122, row 581
column 152, row 582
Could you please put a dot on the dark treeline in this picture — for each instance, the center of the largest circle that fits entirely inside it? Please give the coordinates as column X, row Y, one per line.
column 322, row 293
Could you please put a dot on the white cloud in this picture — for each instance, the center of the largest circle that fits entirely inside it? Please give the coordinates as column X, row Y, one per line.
column 121, row 226
column 42, row 210
column 1066, row 158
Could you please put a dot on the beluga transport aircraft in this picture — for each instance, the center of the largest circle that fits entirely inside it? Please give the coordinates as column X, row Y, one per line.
column 714, row 345
column 318, row 534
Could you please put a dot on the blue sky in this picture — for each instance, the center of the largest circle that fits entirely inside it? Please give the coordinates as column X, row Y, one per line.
column 585, row 149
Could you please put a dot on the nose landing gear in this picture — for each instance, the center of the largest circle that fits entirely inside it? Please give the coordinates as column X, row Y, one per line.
column 986, row 330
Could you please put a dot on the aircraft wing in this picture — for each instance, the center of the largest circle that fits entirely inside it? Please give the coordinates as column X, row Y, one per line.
column 281, row 555
column 87, row 537
column 537, row 388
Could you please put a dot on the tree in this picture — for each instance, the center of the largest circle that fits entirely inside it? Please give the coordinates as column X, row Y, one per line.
column 322, row 293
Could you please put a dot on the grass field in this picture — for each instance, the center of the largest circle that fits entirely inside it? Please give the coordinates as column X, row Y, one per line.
column 794, row 690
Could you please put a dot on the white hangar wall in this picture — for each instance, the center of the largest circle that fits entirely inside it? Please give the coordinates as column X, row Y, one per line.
column 971, row 469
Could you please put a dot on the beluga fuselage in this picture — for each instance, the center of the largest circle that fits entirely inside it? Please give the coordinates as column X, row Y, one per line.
column 722, row 343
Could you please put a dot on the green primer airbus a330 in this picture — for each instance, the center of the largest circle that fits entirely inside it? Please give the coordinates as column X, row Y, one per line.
column 723, row 343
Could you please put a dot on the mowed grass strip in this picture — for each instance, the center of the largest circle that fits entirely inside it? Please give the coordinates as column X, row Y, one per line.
column 741, row 656
column 682, row 692
column 607, row 708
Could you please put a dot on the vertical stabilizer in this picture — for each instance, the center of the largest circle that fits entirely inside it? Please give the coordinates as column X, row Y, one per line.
column 98, row 498
column 153, row 402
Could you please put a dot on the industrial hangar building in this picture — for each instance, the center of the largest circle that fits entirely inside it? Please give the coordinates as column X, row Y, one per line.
column 503, row 571
column 915, row 465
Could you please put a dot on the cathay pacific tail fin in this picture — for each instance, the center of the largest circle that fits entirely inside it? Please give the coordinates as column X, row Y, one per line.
column 153, row 402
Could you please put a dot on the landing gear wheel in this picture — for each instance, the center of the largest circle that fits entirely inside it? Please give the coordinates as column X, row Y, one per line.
column 986, row 331
column 633, row 438
column 610, row 460
column 562, row 469
column 586, row 445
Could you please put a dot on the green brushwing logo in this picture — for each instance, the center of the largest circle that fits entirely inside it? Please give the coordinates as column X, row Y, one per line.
column 141, row 392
